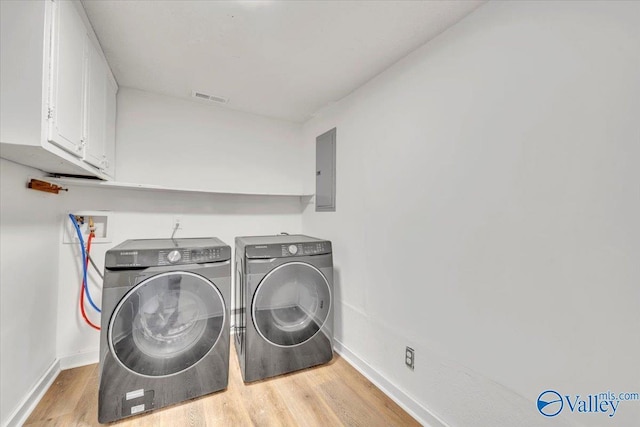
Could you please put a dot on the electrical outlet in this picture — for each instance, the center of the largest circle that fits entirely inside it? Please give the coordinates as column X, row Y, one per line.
column 409, row 358
column 100, row 220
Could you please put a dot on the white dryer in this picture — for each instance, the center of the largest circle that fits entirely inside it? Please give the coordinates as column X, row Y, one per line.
column 284, row 312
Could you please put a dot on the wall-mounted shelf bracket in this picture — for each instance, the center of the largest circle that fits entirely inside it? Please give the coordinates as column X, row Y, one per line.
column 36, row 184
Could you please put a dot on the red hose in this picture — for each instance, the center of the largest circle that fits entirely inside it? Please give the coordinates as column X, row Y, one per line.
column 84, row 314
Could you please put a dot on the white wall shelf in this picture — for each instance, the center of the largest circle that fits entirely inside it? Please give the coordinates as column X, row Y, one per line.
column 71, row 182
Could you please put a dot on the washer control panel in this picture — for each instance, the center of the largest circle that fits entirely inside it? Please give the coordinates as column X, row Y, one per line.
column 162, row 257
column 189, row 256
column 288, row 250
column 174, row 256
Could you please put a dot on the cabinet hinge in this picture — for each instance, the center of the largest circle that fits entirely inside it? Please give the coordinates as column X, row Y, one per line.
column 50, row 113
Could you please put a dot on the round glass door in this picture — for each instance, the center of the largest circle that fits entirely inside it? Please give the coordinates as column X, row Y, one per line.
column 291, row 304
column 166, row 323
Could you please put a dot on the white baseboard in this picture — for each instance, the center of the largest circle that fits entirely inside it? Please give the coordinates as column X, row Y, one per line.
column 28, row 404
column 406, row 402
column 32, row 398
column 79, row 359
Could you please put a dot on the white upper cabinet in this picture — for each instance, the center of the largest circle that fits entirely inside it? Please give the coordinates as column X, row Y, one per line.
column 100, row 112
column 96, row 107
column 58, row 93
column 109, row 164
column 68, row 82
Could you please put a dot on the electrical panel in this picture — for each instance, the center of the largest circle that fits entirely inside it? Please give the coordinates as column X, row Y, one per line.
column 326, row 172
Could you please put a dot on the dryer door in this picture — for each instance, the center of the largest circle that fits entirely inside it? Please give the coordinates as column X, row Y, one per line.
column 291, row 304
column 166, row 323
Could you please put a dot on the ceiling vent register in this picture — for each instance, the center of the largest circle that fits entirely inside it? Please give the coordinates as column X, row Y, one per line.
column 206, row 97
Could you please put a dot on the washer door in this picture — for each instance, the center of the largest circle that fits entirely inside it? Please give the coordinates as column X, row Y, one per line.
column 166, row 323
column 291, row 304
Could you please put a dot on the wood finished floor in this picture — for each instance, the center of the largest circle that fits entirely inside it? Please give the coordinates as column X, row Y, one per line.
column 330, row 395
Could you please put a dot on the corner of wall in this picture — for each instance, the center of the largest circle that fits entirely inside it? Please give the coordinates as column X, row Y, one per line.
column 423, row 415
column 33, row 397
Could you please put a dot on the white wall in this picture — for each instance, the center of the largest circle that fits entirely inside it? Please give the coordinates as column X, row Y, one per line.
column 487, row 214
column 21, row 69
column 28, row 285
column 178, row 143
column 143, row 215
column 203, row 147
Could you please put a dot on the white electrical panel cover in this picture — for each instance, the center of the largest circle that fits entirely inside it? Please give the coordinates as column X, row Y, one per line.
column 326, row 172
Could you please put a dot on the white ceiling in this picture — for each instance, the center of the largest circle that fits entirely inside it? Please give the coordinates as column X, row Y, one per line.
column 282, row 59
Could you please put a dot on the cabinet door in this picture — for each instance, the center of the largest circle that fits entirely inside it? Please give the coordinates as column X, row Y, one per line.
column 96, row 108
column 101, row 113
column 67, row 79
column 110, row 128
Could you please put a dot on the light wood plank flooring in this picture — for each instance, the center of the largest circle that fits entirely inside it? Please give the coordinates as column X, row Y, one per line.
column 330, row 395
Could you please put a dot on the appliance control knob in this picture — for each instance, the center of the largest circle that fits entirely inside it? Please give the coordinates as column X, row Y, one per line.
column 293, row 249
column 174, row 256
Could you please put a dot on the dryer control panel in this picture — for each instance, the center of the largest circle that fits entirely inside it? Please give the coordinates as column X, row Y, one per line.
column 288, row 250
